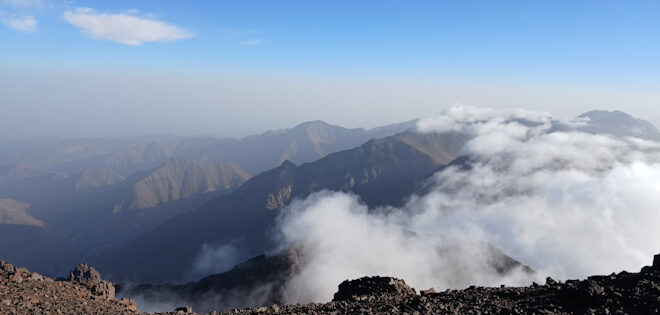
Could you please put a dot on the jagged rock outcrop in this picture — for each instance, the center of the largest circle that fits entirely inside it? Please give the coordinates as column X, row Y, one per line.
column 25, row 292
column 88, row 276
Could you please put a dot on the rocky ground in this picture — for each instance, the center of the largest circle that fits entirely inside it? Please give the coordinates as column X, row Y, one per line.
column 22, row 292
column 25, row 292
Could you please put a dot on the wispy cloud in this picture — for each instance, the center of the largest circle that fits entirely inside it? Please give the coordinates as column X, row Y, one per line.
column 23, row 24
column 124, row 28
column 252, row 42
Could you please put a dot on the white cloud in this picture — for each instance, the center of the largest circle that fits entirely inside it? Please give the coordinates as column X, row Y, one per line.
column 23, row 24
column 568, row 204
column 124, row 28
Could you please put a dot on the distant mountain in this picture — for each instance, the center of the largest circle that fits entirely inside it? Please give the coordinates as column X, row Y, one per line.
column 79, row 208
column 304, row 143
column 179, row 179
column 23, row 182
column 257, row 281
column 14, row 212
column 96, row 177
column 256, row 153
column 70, row 155
column 381, row 171
column 618, row 124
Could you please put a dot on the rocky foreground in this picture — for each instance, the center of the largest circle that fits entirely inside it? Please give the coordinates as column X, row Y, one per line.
column 24, row 292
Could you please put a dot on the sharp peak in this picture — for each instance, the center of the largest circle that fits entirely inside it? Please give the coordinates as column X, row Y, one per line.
column 287, row 164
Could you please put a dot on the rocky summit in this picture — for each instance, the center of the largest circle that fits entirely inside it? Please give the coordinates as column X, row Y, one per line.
column 24, row 292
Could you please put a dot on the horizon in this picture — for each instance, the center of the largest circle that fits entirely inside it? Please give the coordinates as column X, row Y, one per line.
column 127, row 68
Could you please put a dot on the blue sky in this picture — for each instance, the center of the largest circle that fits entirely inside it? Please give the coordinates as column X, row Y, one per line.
column 518, row 46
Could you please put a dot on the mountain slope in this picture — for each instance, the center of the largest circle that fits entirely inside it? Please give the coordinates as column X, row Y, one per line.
column 618, row 124
column 381, row 171
column 95, row 177
column 179, row 179
column 13, row 212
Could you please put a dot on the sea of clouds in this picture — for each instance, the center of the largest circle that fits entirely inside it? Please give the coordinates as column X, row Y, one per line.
column 566, row 203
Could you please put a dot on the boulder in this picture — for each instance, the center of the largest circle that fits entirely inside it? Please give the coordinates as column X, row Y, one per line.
column 373, row 286
column 6, row 267
column 89, row 277
column 427, row 292
column 85, row 275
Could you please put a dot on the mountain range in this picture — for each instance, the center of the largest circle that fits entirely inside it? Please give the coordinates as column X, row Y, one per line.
column 93, row 195
column 145, row 209
column 381, row 171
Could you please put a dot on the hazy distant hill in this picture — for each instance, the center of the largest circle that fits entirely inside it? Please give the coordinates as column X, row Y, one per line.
column 95, row 177
column 20, row 181
column 14, row 212
column 381, row 171
column 79, row 208
column 179, row 179
column 70, row 155
column 619, row 124
column 304, row 143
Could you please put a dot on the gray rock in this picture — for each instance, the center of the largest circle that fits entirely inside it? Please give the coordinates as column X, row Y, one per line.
column 89, row 277
column 85, row 275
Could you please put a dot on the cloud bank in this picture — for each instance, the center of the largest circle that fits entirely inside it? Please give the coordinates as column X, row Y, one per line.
column 566, row 203
column 124, row 28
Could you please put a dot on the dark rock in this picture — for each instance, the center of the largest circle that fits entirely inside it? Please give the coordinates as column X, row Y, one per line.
column 183, row 310
column 367, row 286
column 656, row 262
column 6, row 267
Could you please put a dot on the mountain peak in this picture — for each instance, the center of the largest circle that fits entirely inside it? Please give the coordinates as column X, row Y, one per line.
column 287, row 164
column 619, row 124
column 604, row 114
column 313, row 123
